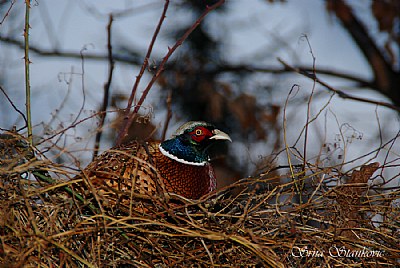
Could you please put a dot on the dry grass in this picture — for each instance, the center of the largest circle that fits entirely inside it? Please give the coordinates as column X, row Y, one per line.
column 42, row 225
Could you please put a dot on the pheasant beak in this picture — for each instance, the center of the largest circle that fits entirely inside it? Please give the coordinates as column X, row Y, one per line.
column 220, row 135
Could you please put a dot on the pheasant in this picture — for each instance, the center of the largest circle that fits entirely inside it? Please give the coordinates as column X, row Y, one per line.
column 179, row 165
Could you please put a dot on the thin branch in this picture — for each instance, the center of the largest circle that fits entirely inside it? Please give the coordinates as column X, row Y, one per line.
column 71, row 54
column 82, row 83
column 127, row 121
column 380, row 66
column 294, row 87
column 162, row 65
column 337, row 91
column 223, row 68
column 308, row 115
column 72, row 125
column 107, row 85
column 8, row 12
column 168, row 116
column 277, row 70
column 27, row 79
column 13, row 105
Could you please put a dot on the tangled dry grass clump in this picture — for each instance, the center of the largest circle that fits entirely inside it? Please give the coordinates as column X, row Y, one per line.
column 300, row 223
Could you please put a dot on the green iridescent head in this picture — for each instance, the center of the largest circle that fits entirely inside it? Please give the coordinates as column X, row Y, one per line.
column 190, row 143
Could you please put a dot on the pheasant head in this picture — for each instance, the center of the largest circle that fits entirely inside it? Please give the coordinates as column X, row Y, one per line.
column 191, row 142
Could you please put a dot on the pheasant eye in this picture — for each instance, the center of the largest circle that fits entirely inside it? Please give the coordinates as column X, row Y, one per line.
column 199, row 132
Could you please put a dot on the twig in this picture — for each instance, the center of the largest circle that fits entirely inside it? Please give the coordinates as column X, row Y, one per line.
column 107, row 85
column 160, row 69
column 74, row 124
column 208, row 252
column 285, row 130
column 308, row 116
column 168, row 116
column 379, row 64
column 220, row 69
column 128, row 120
column 132, row 59
column 13, row 105
column 82, row 84
column 27, row 79
column 69, row 84
column 340, row 93
column 8, row 12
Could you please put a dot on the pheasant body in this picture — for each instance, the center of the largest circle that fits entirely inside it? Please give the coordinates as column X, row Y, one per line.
column 179, row 165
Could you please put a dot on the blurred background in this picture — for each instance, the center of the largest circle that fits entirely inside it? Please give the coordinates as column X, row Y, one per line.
column 227, row 72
